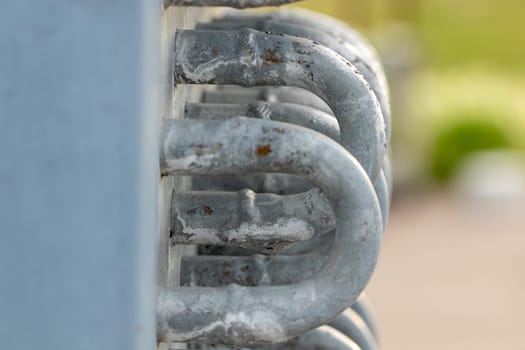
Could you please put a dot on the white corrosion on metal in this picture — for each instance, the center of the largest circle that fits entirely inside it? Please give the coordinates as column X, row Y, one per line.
column 206, row 71
column 288, row 229
column 284, row 229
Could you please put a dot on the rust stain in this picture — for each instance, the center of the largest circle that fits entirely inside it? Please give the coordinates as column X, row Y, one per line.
column 263, row 151
column 207, row 210
column 270, row 56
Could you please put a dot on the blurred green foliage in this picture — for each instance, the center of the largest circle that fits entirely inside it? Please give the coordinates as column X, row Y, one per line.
column 452, row 32
column 472, row 61
column 461, row 32
column 469, row 132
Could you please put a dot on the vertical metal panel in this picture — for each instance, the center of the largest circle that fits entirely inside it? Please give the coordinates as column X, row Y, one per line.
column 78, row 174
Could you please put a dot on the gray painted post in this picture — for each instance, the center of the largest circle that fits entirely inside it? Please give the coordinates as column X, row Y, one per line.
column 78, row 174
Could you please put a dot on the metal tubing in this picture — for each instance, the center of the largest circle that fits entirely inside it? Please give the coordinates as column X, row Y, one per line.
column 276, row 313
column 294, row 113
column 291, row 113
column 222, row 218
column 250, row 58
column 345, row 49
column 268, row 222
column 239, row 4
column 283, row 94
column 335, row 28
column 252, row 270
column 354, row 327
column 363, row 308
column 383, row 195
column 325, row 337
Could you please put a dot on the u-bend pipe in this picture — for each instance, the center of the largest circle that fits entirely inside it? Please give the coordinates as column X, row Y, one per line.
column 345, row 49
column 250, row 58
column 274, row 313
column 350, row 323
column 329, row 25
column 325, row 337
column 226, row 218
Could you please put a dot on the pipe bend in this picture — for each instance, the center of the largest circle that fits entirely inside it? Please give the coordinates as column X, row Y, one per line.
column 223, row 218
column 350, row 323
column 363, row 308
column 321, row 22
column 244, row 315
column 372, row 74
column 325, row 337
column 250, row 58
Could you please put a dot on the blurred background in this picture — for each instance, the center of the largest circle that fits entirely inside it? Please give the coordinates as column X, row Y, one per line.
column 451, row 271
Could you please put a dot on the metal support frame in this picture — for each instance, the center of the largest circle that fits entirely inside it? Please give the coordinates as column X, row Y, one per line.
column 79, row 174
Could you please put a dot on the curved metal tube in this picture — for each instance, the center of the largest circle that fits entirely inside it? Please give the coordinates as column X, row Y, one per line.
column 345, row 49
column 277, row 313
column 239, row 4
column 327, row 24
column 363, row 308
column 325, row 337
column 354, row 327
column 266, row 222
column 292, row 113
column 383, row 196
column 251, row 58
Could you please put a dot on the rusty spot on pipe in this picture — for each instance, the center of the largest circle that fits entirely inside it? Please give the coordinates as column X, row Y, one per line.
column 270, row 56
column 207, row 210
column 263, row 151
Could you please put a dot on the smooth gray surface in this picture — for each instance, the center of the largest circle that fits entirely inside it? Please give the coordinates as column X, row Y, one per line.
column 78, row 174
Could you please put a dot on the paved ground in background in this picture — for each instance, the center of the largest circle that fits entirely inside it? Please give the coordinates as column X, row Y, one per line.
column 452, row 275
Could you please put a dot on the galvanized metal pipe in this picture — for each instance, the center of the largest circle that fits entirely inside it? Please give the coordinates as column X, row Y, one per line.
column 345, row 49
column 353, row 326
column 251, row 270
column 282, row 94
column 335, row 28
column 277, row 313
column 250, row 58
column 287, row 112
column 239, row 4
column 266, row 222
column 325, row 338
column 294, row 113
column 363, row 308
column 222, row 218
column 219, row 218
